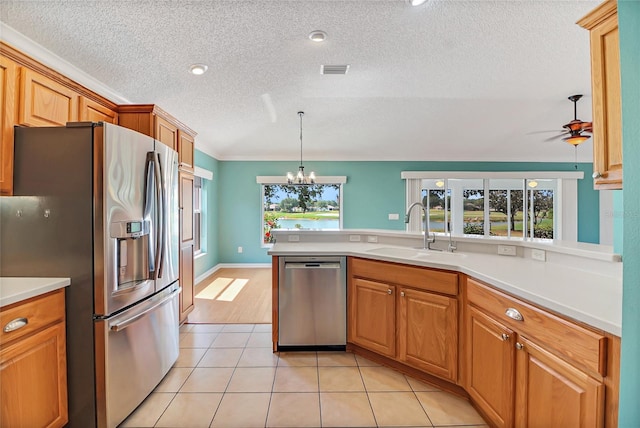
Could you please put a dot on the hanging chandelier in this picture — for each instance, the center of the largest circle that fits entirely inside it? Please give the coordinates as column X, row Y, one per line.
column 300, row 178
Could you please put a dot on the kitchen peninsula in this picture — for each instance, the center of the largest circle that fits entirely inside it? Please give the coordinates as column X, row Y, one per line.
column 509, row 332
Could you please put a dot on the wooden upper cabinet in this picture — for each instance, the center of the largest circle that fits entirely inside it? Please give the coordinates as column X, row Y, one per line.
column 94, row 112
column 151, row 120
column 185, row 150
column 602, row 24
column 44, row 102
column 166, row 132
column 8, row 117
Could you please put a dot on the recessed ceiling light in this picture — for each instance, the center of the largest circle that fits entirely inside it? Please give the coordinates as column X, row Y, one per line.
column 318, row 36
column 416, row 2
column 198, row 69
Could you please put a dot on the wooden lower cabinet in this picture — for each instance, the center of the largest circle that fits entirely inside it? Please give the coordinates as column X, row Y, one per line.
column 372, row 314
column 517, row 380
column 552, row 393
column 491, row 367
column 33, row 365
column 428, row 332
column 412, row 325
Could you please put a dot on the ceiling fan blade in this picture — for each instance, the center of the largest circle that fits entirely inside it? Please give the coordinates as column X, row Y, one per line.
column 587, row 126
column 543, row 132
column 555, row 137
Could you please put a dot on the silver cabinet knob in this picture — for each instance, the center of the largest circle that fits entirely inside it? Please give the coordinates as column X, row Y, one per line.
column 402, row 293
column 514, row 314
column 596, row 174
column 519, row 345
column 389, row 291
column 505, row 337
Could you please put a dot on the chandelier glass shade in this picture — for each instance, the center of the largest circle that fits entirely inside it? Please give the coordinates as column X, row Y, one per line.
column 300, row 177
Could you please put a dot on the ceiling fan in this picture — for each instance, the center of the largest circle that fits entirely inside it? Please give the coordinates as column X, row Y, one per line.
column 573, row 131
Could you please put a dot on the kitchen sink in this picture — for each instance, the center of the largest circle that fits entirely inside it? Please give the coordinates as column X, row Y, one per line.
column 414, row 253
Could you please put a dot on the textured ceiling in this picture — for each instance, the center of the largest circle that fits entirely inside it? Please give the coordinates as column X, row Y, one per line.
column 449, row 80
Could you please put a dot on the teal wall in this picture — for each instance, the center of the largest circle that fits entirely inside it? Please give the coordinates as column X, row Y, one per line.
column 629, row 27
column 211, row 256
column 373, row 190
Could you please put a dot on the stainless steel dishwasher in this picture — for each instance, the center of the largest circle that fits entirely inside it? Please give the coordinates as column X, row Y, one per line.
column 312, row 302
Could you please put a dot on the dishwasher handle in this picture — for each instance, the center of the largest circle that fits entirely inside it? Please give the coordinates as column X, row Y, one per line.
column 312, row 265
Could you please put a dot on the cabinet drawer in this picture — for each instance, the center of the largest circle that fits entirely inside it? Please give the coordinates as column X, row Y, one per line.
column 39, row 312
column 580, row 345
column 415, row 277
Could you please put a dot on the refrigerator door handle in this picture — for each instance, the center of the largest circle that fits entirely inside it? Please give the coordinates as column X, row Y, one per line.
column 161, row 226
column 149, row 190
column 119, row 326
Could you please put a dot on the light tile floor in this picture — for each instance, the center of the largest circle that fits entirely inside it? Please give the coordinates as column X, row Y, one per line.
column 227, row 376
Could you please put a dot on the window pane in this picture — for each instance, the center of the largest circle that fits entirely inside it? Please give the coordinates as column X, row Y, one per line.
column 300, row 207
column 541, row 198
column 197, row 231
column 433, row 191
column 467, row 205
column 505, row 207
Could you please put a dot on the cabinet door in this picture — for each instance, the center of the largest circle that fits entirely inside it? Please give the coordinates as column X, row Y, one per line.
column 33, row 380
column 44, row 102
column 372, row 316
column 8, row 106
column 185, row 151
column 607, row 107
column 186, row 207
column 186, row 281
column 428, row 332
column 552, row 393
column 94, row 112
column 166, row 133
column 491, row 364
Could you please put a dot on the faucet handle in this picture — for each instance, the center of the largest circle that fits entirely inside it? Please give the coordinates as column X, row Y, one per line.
column 452, row 247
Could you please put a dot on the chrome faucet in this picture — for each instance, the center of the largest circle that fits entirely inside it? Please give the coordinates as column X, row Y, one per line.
column 427, row 240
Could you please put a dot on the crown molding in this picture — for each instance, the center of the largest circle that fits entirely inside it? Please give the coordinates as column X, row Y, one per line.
column 53, row 61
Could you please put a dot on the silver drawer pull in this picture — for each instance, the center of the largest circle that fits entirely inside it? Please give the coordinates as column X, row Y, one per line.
column 389, row 291
column 514, row 314
column 15, row 324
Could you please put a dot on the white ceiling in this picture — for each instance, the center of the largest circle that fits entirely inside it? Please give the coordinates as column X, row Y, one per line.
column 449, row 80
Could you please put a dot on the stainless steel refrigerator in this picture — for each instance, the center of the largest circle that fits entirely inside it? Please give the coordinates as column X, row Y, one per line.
column 99, row 203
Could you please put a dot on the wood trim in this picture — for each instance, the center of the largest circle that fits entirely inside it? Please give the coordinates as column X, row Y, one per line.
column 612, row 382
column 154, row 109
column 24, row 60
column 599, row 14
column 274, row 302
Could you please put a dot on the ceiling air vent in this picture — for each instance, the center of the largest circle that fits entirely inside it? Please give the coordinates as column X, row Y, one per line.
column 334, row 69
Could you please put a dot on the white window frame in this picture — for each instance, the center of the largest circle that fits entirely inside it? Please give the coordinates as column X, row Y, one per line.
column 565, row 197
column 265, row 180
column 202, row 174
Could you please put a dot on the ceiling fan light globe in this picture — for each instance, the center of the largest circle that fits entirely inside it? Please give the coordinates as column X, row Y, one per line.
column 576, row 139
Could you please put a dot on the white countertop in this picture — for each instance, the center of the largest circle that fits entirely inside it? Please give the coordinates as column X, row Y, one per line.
column 587, row 295
column 14, row 290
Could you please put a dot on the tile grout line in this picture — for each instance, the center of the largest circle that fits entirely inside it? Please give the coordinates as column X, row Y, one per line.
column 366, row 392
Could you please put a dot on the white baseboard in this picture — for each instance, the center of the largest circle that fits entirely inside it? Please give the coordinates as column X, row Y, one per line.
column 219, row 266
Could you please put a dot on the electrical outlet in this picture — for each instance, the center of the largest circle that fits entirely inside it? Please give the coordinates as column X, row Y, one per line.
column 540, row 255
column 354, row 238
column 293, row 238
column 372, row 238
column 240, row 250
column 394, row 216
column 507, row 250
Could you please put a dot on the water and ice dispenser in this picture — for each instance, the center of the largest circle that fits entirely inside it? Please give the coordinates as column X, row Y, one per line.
column 132, row 252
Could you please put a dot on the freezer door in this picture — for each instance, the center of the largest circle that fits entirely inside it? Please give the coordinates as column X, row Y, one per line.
column 134, row 351
column 124, row 238
column 168, row 269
